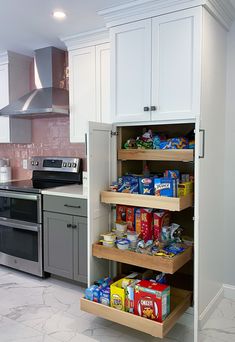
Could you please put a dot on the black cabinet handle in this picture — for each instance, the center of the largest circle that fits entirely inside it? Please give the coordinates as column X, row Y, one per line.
column 146, row 109
column 153, row 108
column 74, row 226
column 69, row 225
column 72, row 206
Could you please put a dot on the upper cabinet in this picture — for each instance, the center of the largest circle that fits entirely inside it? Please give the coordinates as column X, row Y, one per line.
column 89, row 82
column 155, row 66
column 14, row 83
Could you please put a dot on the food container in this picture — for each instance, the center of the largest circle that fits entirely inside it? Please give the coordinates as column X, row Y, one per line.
column 121, row 226
column 110, row 237
column 108, row 243
column 123, row 243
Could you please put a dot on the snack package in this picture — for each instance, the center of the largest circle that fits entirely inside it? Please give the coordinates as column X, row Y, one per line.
column 146, row 219
column 120, row 213
column 105, row 296
column 152, row 300
column 174, row 143
column 172, row 174
column 137, row 221
column 117, row 293
column 160, row 218
column 130, row 218
column 129, row 296
column 128, row 184
column 185, row 188
column 165, row 187
column 146, row 186
column 89, row 292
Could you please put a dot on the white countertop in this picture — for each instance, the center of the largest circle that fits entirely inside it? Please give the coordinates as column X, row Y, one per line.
column 75, row 191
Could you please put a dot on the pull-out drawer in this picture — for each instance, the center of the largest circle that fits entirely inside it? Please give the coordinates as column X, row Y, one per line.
column 65, row 205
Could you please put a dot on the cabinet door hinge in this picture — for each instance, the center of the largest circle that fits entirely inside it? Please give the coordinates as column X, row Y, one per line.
column 113, row 133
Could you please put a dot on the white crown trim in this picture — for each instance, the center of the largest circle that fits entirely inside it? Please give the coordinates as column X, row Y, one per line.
column 88, row 38
column 141, row 9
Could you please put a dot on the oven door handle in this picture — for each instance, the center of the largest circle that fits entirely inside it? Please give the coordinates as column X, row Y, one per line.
column 19, row 225
column 19, row 195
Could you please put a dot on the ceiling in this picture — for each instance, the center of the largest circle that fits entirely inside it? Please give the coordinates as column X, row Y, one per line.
column 27, row 25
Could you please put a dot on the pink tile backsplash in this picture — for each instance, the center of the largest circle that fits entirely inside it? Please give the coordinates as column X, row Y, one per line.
column 50, row 137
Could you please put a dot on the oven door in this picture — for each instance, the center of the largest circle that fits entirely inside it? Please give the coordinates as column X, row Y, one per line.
column 20, row 206
column 21, row 245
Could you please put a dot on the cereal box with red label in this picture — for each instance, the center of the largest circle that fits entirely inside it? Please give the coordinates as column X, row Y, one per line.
column 160, row 218
column 146, row 219
column 152, row 300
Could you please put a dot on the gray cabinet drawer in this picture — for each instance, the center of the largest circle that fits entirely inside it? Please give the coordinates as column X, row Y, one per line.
column 65, row 205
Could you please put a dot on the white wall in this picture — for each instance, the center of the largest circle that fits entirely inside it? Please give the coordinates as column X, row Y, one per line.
column 229, row 229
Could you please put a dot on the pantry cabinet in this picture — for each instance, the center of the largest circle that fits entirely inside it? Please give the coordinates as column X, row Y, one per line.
column 89, row 84
column 155, row 66
column 14, row 83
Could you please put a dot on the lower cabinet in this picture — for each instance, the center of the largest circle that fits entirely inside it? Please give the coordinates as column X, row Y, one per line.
column 65, row 245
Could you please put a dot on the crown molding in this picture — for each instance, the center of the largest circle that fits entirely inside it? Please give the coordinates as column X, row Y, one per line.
column 142, row 9
column 4, row 58
column 85, row 39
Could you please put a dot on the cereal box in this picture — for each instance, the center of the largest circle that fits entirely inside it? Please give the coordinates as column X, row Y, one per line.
column 152, row 300
column 120, row 213
column 146, row 218
column 137, row 221
column 129, row 300
column 130, row 218
column 160, row 218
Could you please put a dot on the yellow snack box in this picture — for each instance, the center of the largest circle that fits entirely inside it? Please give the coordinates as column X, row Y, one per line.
column 117, row 293
column 185, row 188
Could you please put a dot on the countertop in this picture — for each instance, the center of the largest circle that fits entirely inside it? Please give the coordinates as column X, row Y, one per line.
column 75, row 191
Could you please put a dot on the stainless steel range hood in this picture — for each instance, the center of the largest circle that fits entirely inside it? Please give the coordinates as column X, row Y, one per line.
column 49, row 99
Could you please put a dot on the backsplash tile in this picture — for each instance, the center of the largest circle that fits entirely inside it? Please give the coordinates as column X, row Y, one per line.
column 50, row 137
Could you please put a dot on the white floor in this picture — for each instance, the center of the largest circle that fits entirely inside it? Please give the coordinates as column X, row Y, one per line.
column 36, row 310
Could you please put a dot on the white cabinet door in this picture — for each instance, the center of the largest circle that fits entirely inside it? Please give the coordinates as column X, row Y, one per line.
column 176, row 65
column 131, row 71
column 4, row 101
column 103, row 82
column 82, row 92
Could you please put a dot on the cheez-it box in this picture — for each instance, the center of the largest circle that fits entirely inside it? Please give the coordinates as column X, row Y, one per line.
column 152, row 300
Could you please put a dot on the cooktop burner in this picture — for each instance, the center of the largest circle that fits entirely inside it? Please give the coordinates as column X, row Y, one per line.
column 48, row 172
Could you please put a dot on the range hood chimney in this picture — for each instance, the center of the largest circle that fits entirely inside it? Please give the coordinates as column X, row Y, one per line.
column 48, row 99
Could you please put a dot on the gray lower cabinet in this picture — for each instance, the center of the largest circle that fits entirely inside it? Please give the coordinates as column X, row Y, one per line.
column 65, row 239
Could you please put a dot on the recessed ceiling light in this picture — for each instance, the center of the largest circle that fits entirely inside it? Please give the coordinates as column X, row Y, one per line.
column 59, row 15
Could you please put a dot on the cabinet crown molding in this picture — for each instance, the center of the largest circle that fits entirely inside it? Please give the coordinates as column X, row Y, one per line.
column 142, row 9
column 84, row 39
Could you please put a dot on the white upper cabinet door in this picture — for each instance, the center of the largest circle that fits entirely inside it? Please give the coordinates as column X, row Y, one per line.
column 176, row 66
column 4, row 101
column 131, row 71
column 82, row 92
column 103, row 83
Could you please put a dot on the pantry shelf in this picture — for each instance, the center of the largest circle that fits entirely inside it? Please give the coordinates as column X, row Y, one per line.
column 156, row 202
column 180, row 302
column 157, row 263
column 186, row 155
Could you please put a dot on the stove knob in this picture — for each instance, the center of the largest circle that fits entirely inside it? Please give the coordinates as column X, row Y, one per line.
column 74, row 165
column 32, row 162
column 36, row 163
column 64, row 164
column 69, row 164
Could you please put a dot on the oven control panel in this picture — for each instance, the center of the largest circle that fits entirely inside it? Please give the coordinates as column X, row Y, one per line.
column 65, row 164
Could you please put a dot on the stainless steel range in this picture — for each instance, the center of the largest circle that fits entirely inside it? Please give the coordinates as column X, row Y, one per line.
column 21, row 227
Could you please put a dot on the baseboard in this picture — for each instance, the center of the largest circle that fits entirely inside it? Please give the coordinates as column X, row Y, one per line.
column 211, row 307
column 229, row 291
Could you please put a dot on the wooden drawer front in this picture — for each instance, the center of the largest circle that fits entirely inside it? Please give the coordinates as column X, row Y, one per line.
column 66, row 205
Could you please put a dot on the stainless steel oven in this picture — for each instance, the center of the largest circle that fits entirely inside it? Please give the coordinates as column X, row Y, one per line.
column 21, row 226
column 21, row 231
